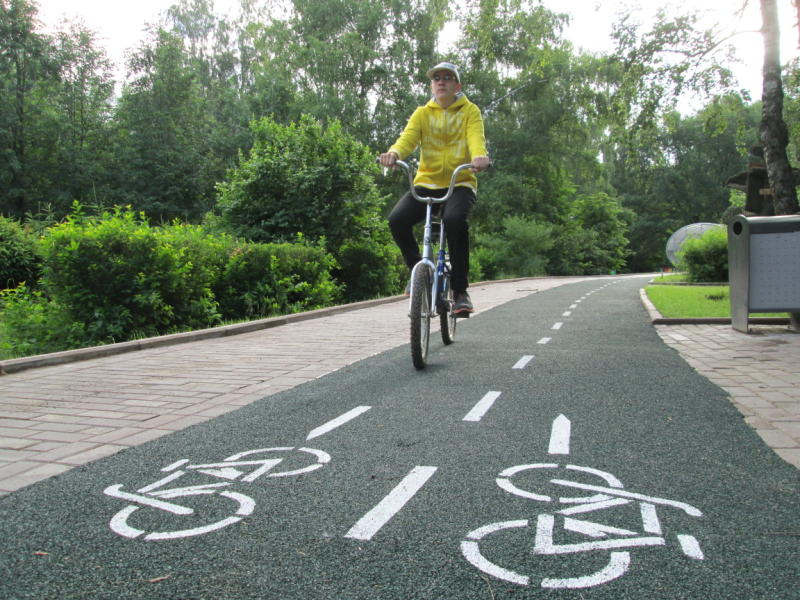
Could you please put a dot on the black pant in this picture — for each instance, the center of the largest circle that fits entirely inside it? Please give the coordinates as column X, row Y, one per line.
column 408, row 212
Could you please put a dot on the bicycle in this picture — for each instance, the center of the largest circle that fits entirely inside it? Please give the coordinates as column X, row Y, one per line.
column 208, row 515
column 430, row 288
column 545, row 532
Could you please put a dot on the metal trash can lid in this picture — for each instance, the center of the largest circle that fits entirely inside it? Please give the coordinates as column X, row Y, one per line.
column 759, row 225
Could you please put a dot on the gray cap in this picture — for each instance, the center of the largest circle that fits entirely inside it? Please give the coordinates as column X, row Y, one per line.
column 444, row 66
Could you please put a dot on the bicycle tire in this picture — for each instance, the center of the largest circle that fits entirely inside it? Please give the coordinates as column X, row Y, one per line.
column 120, row 525
column 420, row 317
column 447, row 317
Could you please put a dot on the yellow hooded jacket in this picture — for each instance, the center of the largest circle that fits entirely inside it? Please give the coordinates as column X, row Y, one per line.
column 447, row 138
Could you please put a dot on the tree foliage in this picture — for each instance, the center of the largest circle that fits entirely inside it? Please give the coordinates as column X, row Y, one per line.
column 311, row 180
column 55, row 103
column 569, row 132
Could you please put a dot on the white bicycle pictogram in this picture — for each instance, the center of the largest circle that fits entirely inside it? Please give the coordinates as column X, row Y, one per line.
column 614, row 539
column 244, row 467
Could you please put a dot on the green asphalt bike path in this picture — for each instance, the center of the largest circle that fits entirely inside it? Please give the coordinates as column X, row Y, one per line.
column 558, row 449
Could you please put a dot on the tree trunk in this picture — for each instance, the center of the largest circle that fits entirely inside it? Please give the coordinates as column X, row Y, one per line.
column 773, row 131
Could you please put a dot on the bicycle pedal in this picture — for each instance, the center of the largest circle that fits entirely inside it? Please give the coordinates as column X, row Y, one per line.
column 463, row 314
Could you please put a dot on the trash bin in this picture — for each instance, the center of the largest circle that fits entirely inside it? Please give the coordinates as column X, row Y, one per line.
column 763, row 266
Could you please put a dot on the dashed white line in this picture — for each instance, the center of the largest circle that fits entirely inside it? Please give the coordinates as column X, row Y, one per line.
column 480, row 409
column 557, row 325
column 341, row 420
column 371, row 523
column 544, row 340
column 522, row 362
column 566, row 313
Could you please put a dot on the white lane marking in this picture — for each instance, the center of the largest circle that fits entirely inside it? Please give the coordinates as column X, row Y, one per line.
column 119, row 523
column 593, row 506
column 573, row 306
column 471, row 551
column 544, row 340
column 690, row 546
column 559, row 435
column 557, row 325
column 480, row 409
column 162, row 482
column 616, row 567
column 341, row 420
column 610, row 479
column 566, row 313
column 246, row 506
column 544, row 541
column 650, row 520
column 504, row 483
column 522, row 362
column 173, row 466
column 115, row 491
column 595, row 530
column 687, row 508
column 368, row 525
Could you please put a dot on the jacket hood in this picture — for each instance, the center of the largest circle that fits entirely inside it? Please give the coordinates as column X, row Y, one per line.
column 459, row 101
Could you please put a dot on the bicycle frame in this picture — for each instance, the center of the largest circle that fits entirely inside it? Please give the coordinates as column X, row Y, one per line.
column 436, row 269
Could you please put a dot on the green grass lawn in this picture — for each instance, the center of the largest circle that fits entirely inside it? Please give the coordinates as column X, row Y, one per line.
column 670, row 278
column 689, row 301
column 674, row 301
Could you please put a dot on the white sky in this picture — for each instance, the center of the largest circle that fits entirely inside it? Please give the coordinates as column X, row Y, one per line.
column 120, row 25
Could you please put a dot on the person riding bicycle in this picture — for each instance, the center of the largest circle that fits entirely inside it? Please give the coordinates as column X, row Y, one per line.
column 449, row 132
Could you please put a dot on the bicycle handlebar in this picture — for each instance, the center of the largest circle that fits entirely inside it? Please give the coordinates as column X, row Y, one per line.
column 449, row 193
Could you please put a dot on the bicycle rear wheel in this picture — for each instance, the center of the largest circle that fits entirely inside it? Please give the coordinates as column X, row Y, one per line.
column 447, row 316
column 420, row 316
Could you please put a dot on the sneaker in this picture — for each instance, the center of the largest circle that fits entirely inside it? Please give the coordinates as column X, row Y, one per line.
column 463, row 305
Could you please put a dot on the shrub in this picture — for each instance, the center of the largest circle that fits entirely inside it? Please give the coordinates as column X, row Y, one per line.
column 705, row 258
column 119, row 277
column 315, row 180
column 19, row 258
column 260, row 280
column 371, row 269
column 32, row 324
column 519, row 251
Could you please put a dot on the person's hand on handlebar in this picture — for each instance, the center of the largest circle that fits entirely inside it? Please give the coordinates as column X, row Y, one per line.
column 387, row 159
column 480, row 163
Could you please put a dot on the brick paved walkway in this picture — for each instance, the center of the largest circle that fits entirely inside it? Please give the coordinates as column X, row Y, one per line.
column 760, row 371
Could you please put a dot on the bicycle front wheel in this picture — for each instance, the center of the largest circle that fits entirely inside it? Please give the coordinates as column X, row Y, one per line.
column 447, row 316
column 420, row 317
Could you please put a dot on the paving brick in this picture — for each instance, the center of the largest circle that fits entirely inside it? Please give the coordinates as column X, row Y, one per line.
column 791, row 428
column 57, row 436
column 62, row 427
column 790, row 455
column 64, row 451
column 12, row 443
column 18, row 423
column 92, row 454
column 8, row 455
column 32, row 474
column 776, row 439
